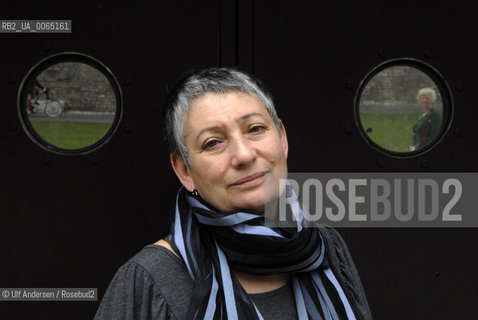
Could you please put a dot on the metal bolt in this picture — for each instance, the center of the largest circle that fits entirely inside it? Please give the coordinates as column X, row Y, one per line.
column 458, row 132
column 12, row 79
column 427, row 53
column 348, row 130
column 380, row 163
column 94, row 160
column 459, row 86
column 12, row 126
column 46, row 47
column 425, row 164
column 382, row 53
column 46, row 160
column 128, row 81
column 128, row 128
column 349, row 84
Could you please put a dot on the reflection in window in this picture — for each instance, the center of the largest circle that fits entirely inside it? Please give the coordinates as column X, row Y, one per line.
column 400, row 109
column 70, row 105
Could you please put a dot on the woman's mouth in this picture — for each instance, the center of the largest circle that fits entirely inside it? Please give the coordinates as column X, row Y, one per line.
column 250, row 180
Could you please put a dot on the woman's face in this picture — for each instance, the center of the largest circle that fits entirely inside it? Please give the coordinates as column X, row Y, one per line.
column 233, row 146
column 425, row 102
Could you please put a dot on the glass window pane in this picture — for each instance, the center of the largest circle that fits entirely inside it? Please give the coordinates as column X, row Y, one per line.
column 70, row 106
column 401, row 109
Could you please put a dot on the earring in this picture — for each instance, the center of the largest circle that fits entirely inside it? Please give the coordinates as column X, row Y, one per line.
column 194, row 192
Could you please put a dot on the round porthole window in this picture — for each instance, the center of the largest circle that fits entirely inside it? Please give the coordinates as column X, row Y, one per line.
column 70, row 103
column 403, row 107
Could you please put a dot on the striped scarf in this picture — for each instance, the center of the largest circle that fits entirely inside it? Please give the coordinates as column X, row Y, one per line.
column 212, row 243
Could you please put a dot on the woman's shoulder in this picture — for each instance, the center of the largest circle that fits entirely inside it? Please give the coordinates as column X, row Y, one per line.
column 341, row 262
column 165, row 270
column 332, row 236
column 159, row 260
column 336, row 248
column 155, row 280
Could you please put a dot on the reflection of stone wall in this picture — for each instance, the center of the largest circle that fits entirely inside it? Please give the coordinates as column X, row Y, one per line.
column 80, row 86
column 394, row 90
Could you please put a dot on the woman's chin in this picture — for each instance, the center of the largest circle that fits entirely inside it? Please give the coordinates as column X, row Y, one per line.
column 251, row 204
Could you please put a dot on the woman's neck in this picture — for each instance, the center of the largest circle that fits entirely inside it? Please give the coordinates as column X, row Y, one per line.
column 259, row 284
column 426, row 110
column 251, row 283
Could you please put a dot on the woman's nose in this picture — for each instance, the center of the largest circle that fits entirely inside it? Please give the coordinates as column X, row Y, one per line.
column 243, row 152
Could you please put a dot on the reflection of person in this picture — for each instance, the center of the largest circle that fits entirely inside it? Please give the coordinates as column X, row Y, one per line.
column 221, row 261
column 427, row 125
column 34, row 94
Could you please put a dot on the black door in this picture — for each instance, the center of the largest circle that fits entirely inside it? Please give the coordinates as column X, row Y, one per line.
column 71, row 214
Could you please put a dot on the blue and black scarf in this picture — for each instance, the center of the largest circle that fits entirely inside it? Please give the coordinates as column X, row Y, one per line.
column 212, row 243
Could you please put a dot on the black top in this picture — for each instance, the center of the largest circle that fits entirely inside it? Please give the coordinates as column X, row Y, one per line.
column 155, row 284
column 426, row 128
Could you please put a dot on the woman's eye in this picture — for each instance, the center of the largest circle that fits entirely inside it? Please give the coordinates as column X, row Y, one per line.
column 210, row 144
column 256, row 129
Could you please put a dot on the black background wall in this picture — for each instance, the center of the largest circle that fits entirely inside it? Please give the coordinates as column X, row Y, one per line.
column 72, row 220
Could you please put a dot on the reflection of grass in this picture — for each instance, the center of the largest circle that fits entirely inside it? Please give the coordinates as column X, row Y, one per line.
column 70, row 135
column 390, row 131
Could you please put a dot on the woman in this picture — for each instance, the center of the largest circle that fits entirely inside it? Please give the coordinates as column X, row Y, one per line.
column 427, row 125
column 220, row 260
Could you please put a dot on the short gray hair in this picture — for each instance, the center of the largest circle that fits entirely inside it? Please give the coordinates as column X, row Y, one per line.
column 427, row 92
column 197, row 84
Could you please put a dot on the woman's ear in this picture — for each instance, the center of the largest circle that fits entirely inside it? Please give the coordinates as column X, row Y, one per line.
column 182, row 172
column 283, row 136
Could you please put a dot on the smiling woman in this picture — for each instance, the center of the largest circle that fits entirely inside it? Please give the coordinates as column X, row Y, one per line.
column 232, row 145
column 221, row 260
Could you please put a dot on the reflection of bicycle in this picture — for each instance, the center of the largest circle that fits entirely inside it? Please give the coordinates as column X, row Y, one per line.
column 52, row 107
